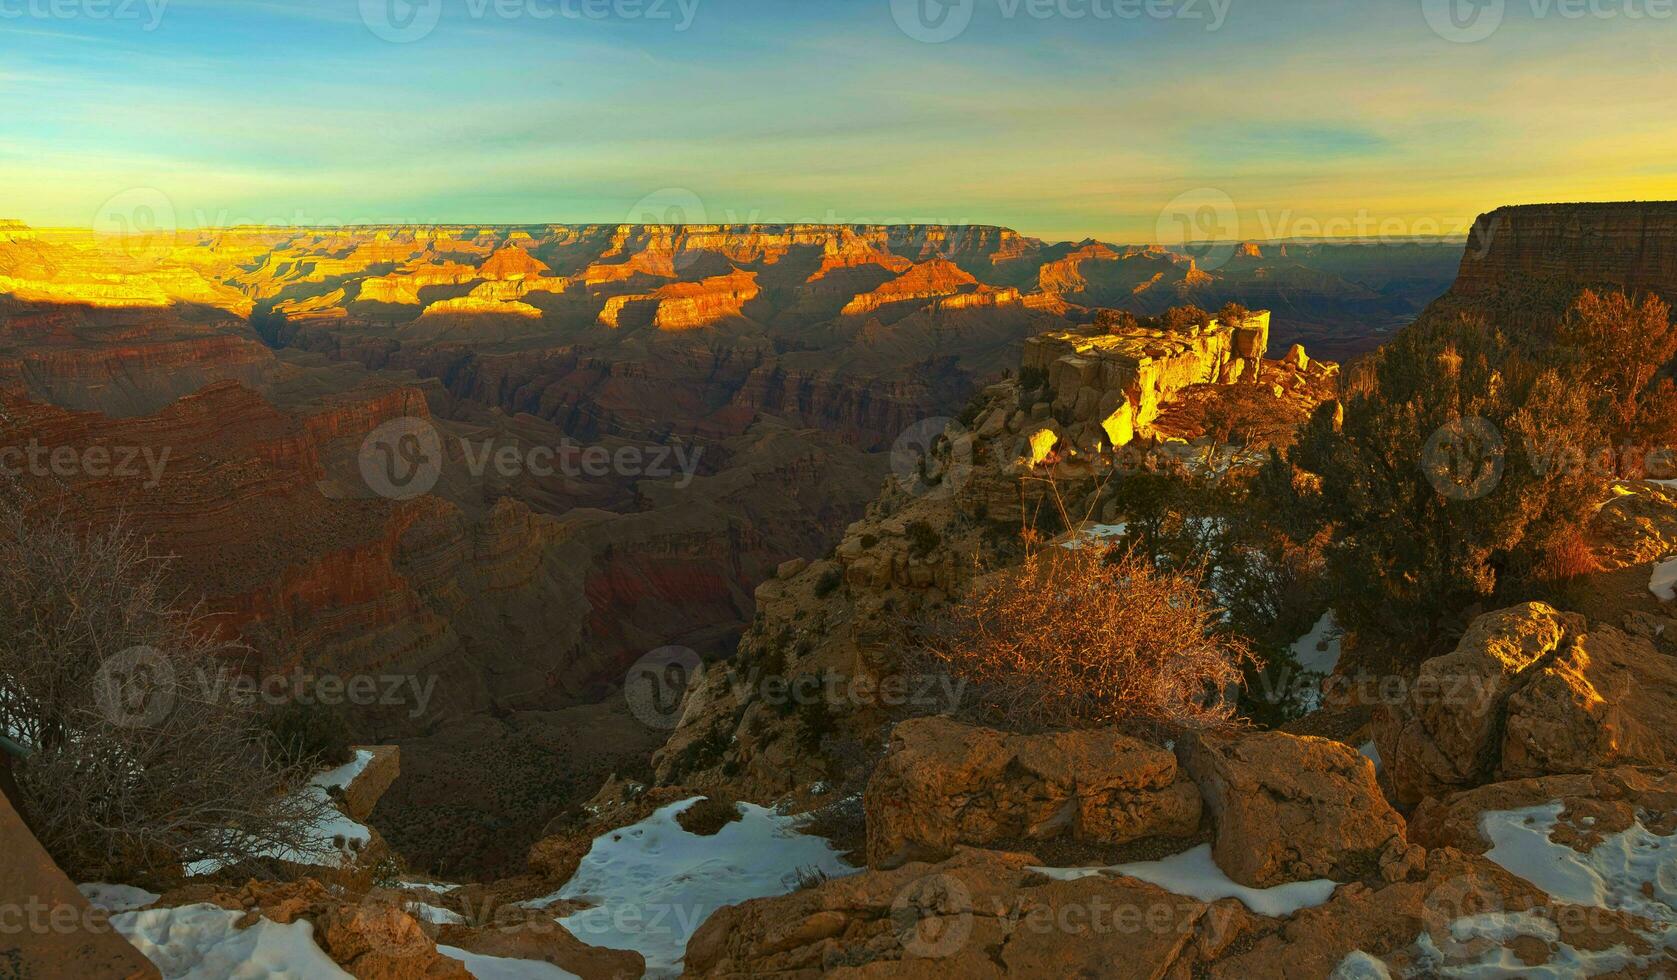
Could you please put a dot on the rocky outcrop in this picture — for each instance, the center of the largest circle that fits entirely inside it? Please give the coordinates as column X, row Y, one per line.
column 1594, row 804
column 968, row 917
column 1288, row 808
column 367, row 788
column 1637, row 524
column 1529, row 692
column 943, row 783
column 684, row 305
column 924, row 281
column 1441, row 921
column 1631, row 245
column 1109, row 386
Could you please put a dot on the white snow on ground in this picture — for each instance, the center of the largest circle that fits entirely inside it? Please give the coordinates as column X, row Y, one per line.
column 345, row 774
column 433, row 914
column 1632, row 871
column 1360, row 966
column 333, row 826
column 501, row 968
column 1491, row 935
column 1098, row 534
column 1195, row 875
column 1319, row 649
column 116, row 898
column 199, row 942
column 653, row 884
column 1664, row 582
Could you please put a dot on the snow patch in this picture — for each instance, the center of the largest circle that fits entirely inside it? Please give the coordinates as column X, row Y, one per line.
column 116, row 898
column 1632, row 871
column 1495, row 931
column 1664, row 583
column 1194, row 874
column 333, row 826
column 1094, row 534
column 435, row 915
column 200, row 942
column 502, row 968
column 1360, row 966
column 653, row 883
column 1319, row 649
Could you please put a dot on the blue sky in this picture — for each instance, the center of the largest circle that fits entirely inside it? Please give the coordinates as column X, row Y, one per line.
column 1275, row 117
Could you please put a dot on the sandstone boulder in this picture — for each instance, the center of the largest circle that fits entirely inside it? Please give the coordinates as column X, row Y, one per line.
column 982, row 914
column 944, row 783
column 1529, row 692
column 369, row 786
column 1290, row 808
column 381, row 942
column 49, row 929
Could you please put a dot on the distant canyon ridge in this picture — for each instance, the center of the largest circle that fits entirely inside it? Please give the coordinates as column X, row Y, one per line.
column 782, row 359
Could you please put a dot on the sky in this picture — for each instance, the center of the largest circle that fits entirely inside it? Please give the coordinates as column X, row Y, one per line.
column 1126, row 120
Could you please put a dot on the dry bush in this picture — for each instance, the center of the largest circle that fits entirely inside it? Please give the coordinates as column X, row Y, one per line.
column 1081, row 638
column 140, row 756
column 1568, row 556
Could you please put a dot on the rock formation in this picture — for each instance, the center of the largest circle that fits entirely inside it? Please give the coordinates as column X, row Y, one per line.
column 1630, row 245
column 942, row 783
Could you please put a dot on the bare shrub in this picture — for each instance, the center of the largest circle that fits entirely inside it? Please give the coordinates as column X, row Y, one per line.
column 1078, row 638
column 139, row 756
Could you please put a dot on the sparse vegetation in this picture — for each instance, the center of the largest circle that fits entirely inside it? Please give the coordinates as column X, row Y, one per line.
column 140, row 756
column 828, row 583
column 1077, row 638
column 922, row 539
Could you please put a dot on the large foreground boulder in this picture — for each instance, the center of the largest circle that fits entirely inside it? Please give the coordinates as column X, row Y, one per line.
column 1290, row 808
column 944, row 783
column 981, row 914
column 1530, row 692
column 47, row 928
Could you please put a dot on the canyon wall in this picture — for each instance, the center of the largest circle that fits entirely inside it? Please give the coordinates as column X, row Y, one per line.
column 1631, row 245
